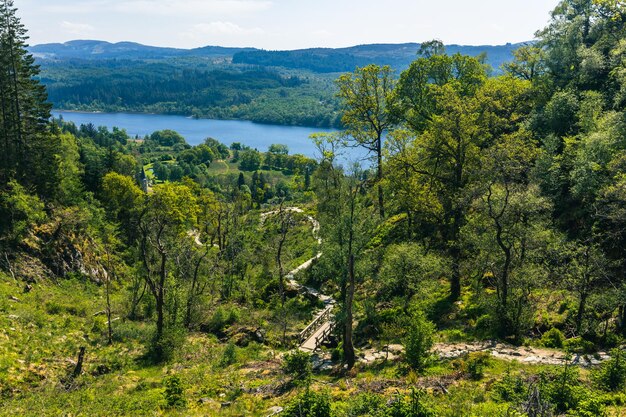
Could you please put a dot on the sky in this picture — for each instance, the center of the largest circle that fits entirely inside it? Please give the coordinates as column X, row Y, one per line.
column 284, row 24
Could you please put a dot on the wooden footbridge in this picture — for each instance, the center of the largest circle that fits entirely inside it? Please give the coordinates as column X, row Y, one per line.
column 322, row 326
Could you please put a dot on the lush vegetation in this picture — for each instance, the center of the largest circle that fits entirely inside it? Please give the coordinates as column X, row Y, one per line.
column 147, row 276
column 192, row 87
column 286, row 88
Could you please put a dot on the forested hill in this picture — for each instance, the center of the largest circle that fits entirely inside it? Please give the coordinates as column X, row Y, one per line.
column 398, row 56
column 95, row 49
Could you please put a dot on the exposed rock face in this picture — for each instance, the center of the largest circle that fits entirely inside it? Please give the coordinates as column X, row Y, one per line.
column 243, row 336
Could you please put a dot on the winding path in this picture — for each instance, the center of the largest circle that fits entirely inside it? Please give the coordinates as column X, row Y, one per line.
column 318, row 330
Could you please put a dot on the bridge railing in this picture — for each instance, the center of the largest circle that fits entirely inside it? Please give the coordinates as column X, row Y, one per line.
column 324, row 335
column 315, row 324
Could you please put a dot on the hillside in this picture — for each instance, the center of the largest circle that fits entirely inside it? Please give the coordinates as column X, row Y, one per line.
column 398, row 56
column 475, row 268
column 276, row 87
column 323, row 60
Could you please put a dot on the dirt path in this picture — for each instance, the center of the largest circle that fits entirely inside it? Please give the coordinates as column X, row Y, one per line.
column 522, row 354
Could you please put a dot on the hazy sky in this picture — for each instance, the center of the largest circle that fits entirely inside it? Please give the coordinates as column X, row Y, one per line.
column 284, row 24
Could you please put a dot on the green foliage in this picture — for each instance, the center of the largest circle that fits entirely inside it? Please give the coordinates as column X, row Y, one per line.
column 221, row 318
column 174, row 392
column 418, row 341
column 511, row 388
column 249, row 160
column 553, row 338
column 297, row 364
column 309, row 404
column 411, row 405
column 612, row 374
column 475, row 363
column 19, row 212
column 229, row 356
column 167, row 347
column 167, row 138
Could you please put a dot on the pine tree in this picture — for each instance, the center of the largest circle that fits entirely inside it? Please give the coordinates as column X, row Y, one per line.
column 26, row 144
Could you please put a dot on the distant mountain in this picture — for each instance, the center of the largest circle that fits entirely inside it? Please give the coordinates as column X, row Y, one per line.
column 398, row 56
column 93, row 49
column 324, row 60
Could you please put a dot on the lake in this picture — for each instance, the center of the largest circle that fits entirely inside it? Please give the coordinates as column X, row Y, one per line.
column 254, row 135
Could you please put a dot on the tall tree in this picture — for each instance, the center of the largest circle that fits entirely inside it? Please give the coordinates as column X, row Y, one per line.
column 366, row 95
column 24, row 138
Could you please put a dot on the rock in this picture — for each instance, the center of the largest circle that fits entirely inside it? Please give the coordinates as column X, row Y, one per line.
column 244, row 335
column 13, row 317
column 15, row 299
column 205, row 400
column 275, row 410
column 226, row 404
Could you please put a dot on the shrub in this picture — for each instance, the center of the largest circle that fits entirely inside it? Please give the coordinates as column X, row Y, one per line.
column 612, row 374
column 409, row 406
column 165, row 349
column 298, row 366
column 563, row 389
column 590, row 407
column 475, row 364
column 174, row 392
column 364, row 404
column 308, row 404
column 221, row 318
column 229, row 356
column 419, row 341
column 511, row 388
column 553, row 338
column 579, row 345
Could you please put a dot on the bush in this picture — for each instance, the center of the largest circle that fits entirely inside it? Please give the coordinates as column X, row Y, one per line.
column 475, row 364
column 308, row 404
column 553, row 338
column 165, row 349
column 174, row 392
column 590, row 407
column 221, row 318
column 612, row 374
column 411, row 406
column 419, row 341
column 364, row 404
column 563, row 388
column 511, row 388
column 579, row 345
column 298, row 366
column 229, row 356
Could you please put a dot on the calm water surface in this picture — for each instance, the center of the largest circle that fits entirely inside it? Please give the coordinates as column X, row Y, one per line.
column 255, row 135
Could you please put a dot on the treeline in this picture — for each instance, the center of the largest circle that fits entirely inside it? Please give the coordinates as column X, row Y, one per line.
column 189, row 88
column 398, row 56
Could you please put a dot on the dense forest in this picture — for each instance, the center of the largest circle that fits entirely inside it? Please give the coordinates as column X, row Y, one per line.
column 475, row 267
column 286, row 88
column 192, row 87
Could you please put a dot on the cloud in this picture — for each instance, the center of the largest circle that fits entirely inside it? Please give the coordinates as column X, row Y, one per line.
column 219, row 30
column 77, row 28
column 163, row 7
column 225, row 28
column 322, row 33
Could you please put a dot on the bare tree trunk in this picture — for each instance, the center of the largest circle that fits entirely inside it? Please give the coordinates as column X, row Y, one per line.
column 379, row 174
column 348, row 347
column 78, row 369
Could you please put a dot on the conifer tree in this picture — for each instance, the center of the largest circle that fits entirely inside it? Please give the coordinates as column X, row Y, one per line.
column 26, row 144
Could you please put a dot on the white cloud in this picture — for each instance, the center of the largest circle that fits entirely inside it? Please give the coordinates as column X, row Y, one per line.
column 322, row 33
column 163, row 7
column 225, row 28
column 77, row 28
